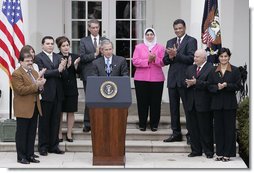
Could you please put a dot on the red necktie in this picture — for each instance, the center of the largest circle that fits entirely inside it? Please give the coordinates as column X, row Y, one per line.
column 198, row 70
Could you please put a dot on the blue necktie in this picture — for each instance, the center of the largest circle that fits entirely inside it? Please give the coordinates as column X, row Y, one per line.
column 108, row 67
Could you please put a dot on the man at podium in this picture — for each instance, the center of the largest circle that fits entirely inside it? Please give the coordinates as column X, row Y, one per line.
column 109, row 64
column 108, row 99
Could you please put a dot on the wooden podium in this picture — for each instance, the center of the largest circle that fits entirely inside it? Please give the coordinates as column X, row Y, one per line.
column 108, row 100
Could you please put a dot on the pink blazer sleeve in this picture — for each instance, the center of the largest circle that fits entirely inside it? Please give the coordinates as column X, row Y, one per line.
column 159, row 56
column 138, row 57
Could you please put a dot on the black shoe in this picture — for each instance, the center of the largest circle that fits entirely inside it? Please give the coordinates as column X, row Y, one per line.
column 194, row 155
column 154, row 129
column 69, row 139
column 173, row 138
column 188, row 140
column 57, row 151
column 86, row 129
column 23, row 161
column 209, row 156
column 43, row 153
column 218, row 158
column 33, row 160
column 35, row 156
column 60, row 140
column 225, row 159
column 142, row 128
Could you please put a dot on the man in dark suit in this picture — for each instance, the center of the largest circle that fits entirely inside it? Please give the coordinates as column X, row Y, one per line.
column 198, row 105
column 27, row 85
column 109, row 64
column 179, row 54
column 89, row 50
column 51, row 97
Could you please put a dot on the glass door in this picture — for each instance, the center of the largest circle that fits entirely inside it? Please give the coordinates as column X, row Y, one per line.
column 130, row 22
column 122, row 21
column 77, row 14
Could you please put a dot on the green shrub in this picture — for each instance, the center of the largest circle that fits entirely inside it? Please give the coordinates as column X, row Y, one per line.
column 243, row 129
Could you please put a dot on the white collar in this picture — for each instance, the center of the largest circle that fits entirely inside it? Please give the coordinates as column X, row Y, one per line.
column 202, row 65
column 97, row 38
column 182, row 38
column 110, row 60
column 48, row 54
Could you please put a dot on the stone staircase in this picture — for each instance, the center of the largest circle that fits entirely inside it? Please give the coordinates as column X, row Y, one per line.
column 136, row 141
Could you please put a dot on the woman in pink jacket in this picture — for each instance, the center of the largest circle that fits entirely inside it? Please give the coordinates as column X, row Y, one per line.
column 149, row 79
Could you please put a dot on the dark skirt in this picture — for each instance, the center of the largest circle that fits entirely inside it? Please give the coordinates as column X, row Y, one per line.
column 70, row 104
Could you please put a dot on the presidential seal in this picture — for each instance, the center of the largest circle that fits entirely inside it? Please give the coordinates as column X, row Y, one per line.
column 108, row 89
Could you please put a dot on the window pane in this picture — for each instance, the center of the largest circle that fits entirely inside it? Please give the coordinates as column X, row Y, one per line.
column 138, row 28
column 122, row 29
column 122, row 9
column 75, row 47
column 78, row 29
column 129, row 63
column 134, row 43
column 78, row 9
column 94, row 10
column 133, row 68
column 138, row 9
column 123, row 48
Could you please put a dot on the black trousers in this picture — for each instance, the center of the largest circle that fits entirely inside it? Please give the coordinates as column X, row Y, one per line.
column 49, row 125
column 174, row 103
column 149, row 95
column 86, row 111
column 225, row 132
column 25, row 135
column 201, row 132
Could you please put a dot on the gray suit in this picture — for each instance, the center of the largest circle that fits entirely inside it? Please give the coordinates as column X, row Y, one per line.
column 87, row 51
column 119, row 67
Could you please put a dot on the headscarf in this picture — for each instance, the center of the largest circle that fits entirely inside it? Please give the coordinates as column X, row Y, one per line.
column 150, row 45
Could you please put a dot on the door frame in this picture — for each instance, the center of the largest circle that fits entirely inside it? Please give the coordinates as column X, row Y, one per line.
column 108, row 22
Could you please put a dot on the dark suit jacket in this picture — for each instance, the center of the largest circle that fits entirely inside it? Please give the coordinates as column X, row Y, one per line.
column 183, row 59
column 69, row 80
column 53, row 86
column 198, row 95
column 25, row 92
column 225, row 98
column 119, row 66
column 87, row 51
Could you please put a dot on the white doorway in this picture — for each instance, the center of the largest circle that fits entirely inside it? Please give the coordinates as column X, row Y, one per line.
column 122, row 21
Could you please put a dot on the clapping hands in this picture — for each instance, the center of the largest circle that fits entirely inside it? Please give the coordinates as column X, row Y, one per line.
column 62, row 65
column 171, row 52
column 151, row 57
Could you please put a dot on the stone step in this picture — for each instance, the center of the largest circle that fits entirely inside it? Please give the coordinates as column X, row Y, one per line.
column 134, row 146
column 131, row 134
column 132, row 121
column 131, row 146
column 133, row 108
column 134, row 160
